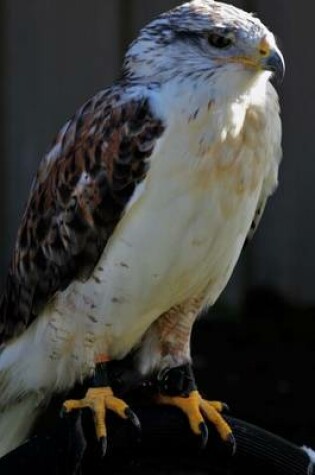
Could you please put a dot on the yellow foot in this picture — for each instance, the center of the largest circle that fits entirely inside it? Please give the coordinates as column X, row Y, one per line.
column 197, row 410
column 99, row 400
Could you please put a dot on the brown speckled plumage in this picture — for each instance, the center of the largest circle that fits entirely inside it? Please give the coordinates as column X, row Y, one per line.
column 77, row 198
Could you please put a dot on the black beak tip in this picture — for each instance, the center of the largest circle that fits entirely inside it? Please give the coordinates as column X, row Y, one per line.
column 275, row 63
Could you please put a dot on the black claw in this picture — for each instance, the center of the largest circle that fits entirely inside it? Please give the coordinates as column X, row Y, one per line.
column 225, row 407
column 103, row 446
column 203, row 434
column 133, row 418
column 231, row 444
column 63, row 413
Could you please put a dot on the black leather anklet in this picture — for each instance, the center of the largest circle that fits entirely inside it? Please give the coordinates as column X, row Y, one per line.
column 178, row 381
column 100, row 378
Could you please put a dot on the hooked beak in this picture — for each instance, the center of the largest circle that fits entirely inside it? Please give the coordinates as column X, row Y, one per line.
column 275, row 63
column 271, row 59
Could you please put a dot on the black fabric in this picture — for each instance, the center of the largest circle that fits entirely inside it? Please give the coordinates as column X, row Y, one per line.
column 166, row 445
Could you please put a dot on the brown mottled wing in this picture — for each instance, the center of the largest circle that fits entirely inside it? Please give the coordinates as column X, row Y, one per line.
column 79, row 194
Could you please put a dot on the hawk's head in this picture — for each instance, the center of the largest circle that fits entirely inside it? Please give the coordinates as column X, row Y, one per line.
column 201, row 39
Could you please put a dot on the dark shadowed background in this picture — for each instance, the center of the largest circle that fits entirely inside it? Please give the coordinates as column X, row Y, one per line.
column 260, row 354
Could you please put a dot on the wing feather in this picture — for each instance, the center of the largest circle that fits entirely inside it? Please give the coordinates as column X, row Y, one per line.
column 257, row 218
column 77, row 198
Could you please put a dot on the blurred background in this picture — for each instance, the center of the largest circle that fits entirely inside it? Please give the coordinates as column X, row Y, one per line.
column 257, row 349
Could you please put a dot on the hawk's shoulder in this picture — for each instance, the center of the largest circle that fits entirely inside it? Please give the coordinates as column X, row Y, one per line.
column 77, row 198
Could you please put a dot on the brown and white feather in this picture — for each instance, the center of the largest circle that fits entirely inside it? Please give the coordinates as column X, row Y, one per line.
column 80, row 192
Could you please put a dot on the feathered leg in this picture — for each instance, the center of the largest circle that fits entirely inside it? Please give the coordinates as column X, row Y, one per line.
column 166, row 350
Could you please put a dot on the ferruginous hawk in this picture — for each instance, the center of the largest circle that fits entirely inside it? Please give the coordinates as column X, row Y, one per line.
column 137, row 217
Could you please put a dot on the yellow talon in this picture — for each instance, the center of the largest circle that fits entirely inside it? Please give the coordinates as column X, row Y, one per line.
column 196, row 409
column 99, row 400
column 214, row 416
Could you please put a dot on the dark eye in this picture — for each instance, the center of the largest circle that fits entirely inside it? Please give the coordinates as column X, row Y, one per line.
column 219, row 41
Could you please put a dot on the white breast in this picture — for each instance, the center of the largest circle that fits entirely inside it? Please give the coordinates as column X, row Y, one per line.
column 182, row 233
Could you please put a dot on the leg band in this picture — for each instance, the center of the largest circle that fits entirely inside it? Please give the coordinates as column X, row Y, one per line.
column 178, row 381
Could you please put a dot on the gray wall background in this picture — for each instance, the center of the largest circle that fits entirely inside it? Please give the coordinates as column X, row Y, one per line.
column 57, row 53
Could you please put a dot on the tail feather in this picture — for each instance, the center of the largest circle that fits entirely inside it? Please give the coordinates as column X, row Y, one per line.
column 16, row 423
column 33, row 367
column 20, row 398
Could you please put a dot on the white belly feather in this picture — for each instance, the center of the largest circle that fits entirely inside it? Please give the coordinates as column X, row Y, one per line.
column 180, row 236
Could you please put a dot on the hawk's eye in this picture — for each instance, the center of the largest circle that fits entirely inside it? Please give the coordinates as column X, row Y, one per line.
column 219, row 41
